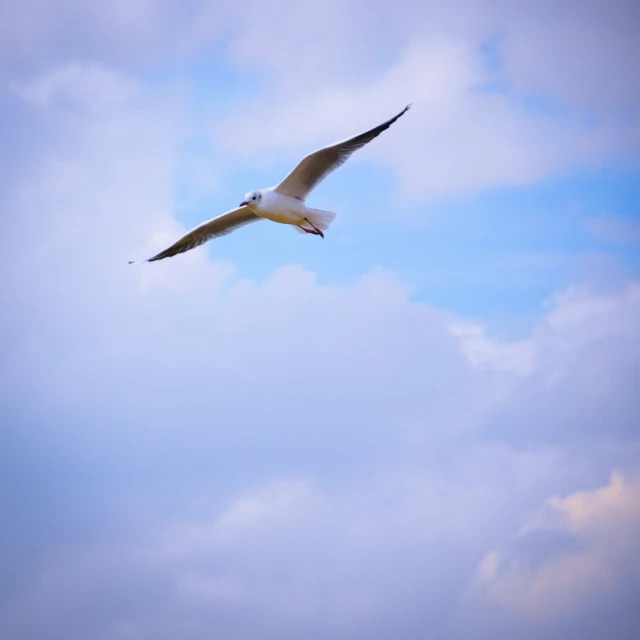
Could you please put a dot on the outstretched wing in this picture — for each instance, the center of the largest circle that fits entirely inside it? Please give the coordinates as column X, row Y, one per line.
column 220, row 226
column 318, row 165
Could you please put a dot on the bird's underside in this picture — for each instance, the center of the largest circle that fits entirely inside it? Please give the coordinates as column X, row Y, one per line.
column 279, row 202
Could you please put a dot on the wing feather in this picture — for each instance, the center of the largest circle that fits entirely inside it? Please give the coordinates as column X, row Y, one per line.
column 315, row 167
column 220, row 226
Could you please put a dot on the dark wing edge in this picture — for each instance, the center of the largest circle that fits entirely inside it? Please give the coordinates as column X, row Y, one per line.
column 215, row 228
column 316, row 166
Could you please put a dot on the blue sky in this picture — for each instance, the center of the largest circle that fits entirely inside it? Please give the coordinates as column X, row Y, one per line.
column 426, row 423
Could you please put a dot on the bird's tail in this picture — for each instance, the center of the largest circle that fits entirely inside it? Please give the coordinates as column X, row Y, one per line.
column 319, row 219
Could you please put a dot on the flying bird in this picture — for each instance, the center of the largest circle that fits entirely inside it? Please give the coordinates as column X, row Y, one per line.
column 284, row 203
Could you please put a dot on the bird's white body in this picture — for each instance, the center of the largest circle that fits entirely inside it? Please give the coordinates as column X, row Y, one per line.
column 280, row 208
column 277, row 206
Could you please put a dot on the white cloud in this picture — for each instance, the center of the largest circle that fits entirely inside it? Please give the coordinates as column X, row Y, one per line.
column 583, row 58
column 457, row 138
column 81, row 84
column 582, row 316
column 603, row 524
column 585, row 352
column 518, row 357
column 323, row 72
column 119, row 33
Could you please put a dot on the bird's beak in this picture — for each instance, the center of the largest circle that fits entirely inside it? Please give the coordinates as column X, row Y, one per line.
column 244, row 203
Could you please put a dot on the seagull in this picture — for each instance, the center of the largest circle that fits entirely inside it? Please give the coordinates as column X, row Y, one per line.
column 284, row 203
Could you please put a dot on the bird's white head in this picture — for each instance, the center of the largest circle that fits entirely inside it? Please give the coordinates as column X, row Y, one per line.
column 251, row 199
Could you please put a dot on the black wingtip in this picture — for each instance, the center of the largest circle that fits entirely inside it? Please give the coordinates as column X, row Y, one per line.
column 401, row 113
